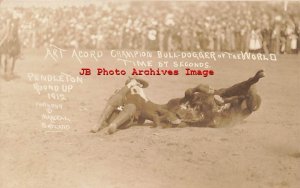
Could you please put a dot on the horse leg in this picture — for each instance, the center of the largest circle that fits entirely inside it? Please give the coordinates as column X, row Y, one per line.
column 5, row 65
column 13, row 65
column 1, row 60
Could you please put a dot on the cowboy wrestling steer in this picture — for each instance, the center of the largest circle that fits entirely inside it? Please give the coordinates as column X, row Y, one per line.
column 132, row 105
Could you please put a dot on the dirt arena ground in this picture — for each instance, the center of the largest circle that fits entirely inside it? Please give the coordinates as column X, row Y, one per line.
column 262, row 152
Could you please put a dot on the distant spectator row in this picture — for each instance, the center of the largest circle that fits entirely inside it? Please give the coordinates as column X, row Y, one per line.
column 166, row 26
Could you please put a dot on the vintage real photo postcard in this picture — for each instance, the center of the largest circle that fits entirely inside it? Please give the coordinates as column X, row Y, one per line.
column 149, row 94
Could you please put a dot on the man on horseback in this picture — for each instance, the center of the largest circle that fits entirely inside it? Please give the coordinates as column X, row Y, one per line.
column 10, row 46
column 4, row 30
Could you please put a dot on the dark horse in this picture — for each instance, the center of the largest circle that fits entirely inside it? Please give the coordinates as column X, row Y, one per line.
column 10, row 47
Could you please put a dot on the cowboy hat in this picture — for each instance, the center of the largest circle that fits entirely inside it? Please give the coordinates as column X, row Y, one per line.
column 144, row 83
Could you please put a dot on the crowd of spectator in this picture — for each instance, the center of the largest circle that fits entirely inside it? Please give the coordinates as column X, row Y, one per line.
column 167, row 26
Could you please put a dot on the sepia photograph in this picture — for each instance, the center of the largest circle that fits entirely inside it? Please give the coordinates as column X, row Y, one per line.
column 149, row 94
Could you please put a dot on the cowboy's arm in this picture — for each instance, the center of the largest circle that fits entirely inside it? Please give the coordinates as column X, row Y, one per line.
column 117, row 99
